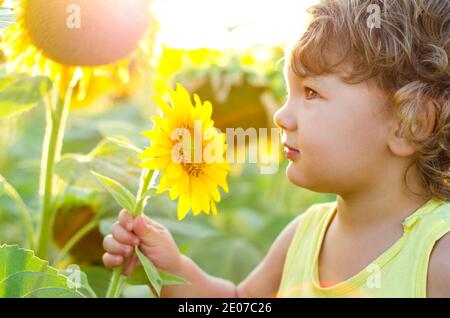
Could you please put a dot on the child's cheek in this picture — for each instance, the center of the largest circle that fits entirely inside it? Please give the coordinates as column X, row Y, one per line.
column 329, row 157
column 319, row 162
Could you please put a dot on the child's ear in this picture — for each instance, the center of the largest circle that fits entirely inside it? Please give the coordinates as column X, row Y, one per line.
column 422, row 127
column 398, row 143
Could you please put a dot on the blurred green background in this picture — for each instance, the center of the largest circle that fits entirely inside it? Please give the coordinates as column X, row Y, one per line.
column 245, row 86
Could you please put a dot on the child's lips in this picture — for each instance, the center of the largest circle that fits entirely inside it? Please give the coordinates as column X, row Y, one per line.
column 290, row 152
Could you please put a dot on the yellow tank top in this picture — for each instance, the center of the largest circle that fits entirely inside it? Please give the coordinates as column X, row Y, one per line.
column 401, row 271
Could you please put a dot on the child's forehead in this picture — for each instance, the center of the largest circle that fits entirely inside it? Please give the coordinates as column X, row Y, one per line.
column 292, row 73
column 291, row 76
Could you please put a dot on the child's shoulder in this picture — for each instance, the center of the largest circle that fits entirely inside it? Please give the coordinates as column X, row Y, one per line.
column 314, row 216
column 443, row 211
column 318, row 211
column 439, row 262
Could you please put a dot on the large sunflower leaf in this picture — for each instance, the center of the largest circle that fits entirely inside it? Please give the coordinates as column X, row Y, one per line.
column 20, row 94
column 22, row 274
column 80, row 280
column 112, row 156
column 54, row 292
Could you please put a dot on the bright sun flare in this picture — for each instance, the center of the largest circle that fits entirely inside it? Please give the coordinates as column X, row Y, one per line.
column 234, row 24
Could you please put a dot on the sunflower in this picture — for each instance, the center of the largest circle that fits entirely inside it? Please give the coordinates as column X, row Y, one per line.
column 102, row 43
column 77, row 44
column 188, row 172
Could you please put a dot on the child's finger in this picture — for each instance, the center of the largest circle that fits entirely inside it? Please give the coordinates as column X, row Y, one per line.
column 151, row 221
column 147, row 233
column 111, row 260
column 112, row 246
column 123, row 236
column 146, row 249
column 126, row 220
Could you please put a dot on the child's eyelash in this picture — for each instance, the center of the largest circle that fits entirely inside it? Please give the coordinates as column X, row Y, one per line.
column 310, row 93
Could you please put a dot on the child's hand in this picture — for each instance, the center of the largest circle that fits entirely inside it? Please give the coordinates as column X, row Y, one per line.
column 153, row 239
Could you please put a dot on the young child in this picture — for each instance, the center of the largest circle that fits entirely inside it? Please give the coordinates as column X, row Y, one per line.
column 367, row 118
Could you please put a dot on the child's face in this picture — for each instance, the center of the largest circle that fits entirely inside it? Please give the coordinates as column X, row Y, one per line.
column 340, row 131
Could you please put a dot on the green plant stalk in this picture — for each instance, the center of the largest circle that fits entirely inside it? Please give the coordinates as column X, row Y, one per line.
column 75, row 239
column 51, row 152
column 12, row 193
column 113, row 288
column 145, row 181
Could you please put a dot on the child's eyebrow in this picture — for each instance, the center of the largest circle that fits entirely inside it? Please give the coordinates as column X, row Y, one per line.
column 287, row 70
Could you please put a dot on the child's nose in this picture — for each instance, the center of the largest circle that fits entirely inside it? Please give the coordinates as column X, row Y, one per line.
column 284, row 120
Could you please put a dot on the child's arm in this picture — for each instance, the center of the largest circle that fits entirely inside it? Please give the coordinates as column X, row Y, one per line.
column 156, row 242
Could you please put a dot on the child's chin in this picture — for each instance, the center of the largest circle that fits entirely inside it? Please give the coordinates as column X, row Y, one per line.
column 295, row 175
column 298, row 177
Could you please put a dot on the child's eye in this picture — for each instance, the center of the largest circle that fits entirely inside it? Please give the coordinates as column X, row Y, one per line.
column 310, row 93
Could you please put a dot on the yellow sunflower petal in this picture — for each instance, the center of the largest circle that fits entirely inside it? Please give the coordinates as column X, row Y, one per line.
column 173, row 192
column 201, row 195
column 184, row 182
column 212, row 188
column 218, row 176
column 159, row 163
column 213, row 208
column 158, row 137
column 196, row 208
column 155, row 151
column 163, row 184
column 184, row 205
column 162, row 124
column 174, row 170
column 165, row 108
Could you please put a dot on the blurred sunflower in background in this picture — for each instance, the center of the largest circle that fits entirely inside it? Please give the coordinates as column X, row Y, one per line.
column 192, row 177
column 87, row 49
column 106, row 44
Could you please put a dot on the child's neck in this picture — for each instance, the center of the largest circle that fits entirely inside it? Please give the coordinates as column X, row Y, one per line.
column 386, row 207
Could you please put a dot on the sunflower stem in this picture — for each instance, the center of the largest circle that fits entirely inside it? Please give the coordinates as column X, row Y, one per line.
column 147, row 179
column 25, row 213
column 113, row 289
column 51, row 152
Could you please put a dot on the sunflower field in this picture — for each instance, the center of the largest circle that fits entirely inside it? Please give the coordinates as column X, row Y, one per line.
column 89, row 99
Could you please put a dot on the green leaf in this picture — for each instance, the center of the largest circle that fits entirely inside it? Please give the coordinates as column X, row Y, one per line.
column 20, row 94
column 152, row 273
column 110, row 144
column 169, row 279
column 122, row 195
column 99, row 278
column 112, row 157
column 139, row 277
column 79, row 278
column 22, row 274
column 21, row 283
column 53, row 293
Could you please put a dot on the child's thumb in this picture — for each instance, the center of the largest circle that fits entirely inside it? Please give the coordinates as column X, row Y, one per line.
column 144, row 229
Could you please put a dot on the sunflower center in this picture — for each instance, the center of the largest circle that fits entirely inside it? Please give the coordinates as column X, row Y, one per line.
column 86, row 32
column 193, row 169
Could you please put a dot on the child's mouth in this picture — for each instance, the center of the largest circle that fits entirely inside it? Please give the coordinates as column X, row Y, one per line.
column 290, row 152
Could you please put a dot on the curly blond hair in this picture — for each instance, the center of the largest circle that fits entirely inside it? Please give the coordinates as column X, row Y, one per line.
column 406, row 55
